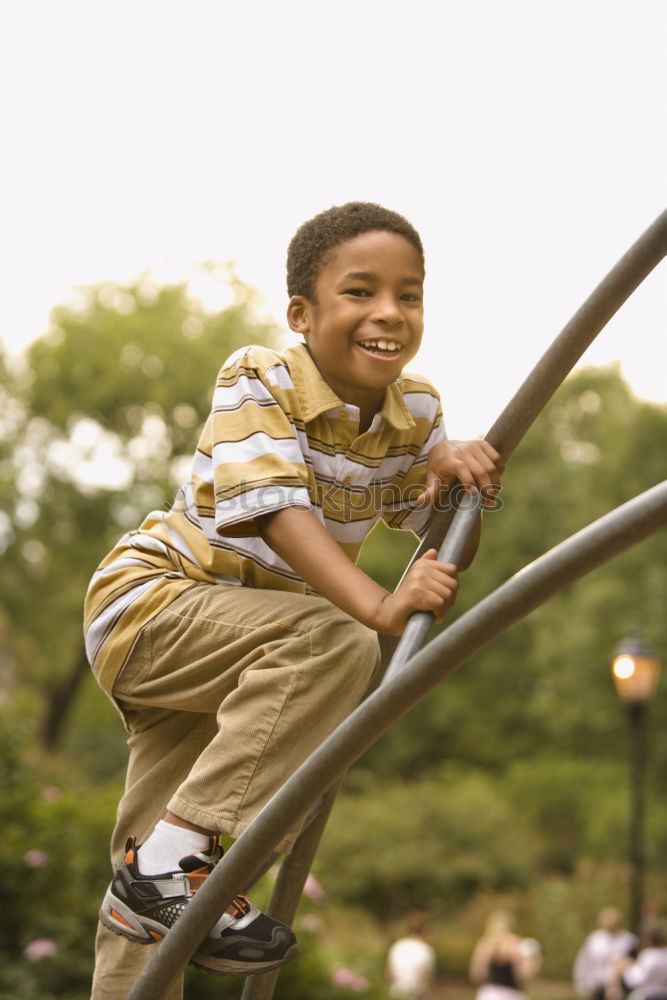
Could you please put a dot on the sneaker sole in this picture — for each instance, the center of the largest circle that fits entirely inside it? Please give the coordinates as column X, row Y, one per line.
column 120, row 919
column 230, row 967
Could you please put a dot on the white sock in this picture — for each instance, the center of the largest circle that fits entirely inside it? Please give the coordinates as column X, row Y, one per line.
column 165, row 847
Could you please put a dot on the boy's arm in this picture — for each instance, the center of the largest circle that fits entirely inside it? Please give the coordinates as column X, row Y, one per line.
column 303, row 542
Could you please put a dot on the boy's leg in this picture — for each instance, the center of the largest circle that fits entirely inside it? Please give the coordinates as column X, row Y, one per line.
column 225, row 694
column 280, row 670
column 118, row 964
column 163, row 747
column 162, row 751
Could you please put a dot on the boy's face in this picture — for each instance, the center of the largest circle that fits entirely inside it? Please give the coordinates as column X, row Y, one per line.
column 367, row 319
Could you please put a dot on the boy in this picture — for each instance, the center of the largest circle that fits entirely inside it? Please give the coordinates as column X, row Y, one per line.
column 235, row 632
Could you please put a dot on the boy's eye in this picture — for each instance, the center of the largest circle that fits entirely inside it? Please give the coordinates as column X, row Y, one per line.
column 411, row 297
column 357, row 291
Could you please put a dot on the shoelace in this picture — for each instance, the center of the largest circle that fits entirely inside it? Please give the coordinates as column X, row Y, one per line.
column 239, row 906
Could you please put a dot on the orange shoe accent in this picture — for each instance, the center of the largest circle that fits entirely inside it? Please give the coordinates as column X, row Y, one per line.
column 239, row 906
column 196, row 881
column 130, row 853
column 116, row 915
column 156, row 936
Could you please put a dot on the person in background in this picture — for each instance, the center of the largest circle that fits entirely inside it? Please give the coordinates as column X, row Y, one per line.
column 502, row 963
column 594, row 971
column 646, row 975
column 411, row 963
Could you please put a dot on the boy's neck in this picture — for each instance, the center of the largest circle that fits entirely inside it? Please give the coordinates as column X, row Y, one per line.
column 367, row 407
column 368, row 402
column 367, row 414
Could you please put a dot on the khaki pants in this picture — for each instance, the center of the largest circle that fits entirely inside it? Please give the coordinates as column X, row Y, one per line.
column 226, row 693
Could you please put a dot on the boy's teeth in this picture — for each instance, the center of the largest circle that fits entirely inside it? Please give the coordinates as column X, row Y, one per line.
column 383, row 345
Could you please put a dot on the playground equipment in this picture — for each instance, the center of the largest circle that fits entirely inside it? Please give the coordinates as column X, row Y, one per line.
column 413, row 670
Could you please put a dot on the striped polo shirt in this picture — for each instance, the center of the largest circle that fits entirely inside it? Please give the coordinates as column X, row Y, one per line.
column 277, row 436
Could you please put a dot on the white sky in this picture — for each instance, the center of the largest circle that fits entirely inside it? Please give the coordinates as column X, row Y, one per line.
column 526, row 141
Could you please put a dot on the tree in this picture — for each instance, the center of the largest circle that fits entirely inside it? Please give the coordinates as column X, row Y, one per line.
column 103, row 422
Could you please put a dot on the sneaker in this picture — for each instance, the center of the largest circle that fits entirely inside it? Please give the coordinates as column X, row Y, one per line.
column 142, row 908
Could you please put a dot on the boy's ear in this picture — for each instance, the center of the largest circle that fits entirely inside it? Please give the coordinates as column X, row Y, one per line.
column 298, row 314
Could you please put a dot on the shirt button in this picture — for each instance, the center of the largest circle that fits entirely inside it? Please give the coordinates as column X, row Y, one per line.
column 347, row 481
column 343, row 415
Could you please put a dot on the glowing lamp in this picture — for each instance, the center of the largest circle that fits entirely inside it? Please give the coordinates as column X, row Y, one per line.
column 636, row 671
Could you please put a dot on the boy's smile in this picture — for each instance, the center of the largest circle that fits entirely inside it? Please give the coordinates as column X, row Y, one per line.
column 366, row 321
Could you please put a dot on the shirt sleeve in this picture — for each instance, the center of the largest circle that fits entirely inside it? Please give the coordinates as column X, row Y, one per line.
column 257, row 461
column 581, row 973
column 637, row 973
column 404, row 512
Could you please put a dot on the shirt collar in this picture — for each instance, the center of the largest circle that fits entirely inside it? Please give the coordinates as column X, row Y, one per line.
column 394, row 409
column 316, row 396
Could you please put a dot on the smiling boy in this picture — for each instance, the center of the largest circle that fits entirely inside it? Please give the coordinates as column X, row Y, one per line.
column 235, row 631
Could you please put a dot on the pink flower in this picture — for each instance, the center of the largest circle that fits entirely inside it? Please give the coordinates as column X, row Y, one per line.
column 35, row 858
column 313, row 890
column 40, row 948
column 352, row 980
column 312, row 923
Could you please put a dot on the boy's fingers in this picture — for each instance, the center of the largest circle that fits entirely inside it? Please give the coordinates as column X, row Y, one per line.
column 477, row 471
column 482, row 475
column 436, row 584
column 431, row 492
column 486, row 454
column 494, row 455
column 432, row 554
column 425, row 498
column 444, row 605
column 442, row 576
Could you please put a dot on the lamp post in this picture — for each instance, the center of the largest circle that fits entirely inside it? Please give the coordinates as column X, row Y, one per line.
column 636, row 671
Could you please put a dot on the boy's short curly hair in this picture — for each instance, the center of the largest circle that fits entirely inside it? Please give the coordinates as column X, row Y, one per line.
column 313, row 244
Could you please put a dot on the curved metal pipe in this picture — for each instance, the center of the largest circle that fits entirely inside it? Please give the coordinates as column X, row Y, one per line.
column 532, row 586
column 530, row 399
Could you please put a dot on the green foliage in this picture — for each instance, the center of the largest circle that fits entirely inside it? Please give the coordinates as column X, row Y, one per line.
column 428, row 843
column 101, row 419
column 123, row 351
column 52, row 871
column 581, row 808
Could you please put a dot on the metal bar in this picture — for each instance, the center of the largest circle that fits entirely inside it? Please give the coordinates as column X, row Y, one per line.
column 559, row 359
column 419, row 623
column 450, row 530
column 275, row 856
column 287, row 892
column 578, row 334
column 578, row 555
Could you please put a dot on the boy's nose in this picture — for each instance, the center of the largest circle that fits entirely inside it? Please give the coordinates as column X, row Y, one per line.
column 388, row 312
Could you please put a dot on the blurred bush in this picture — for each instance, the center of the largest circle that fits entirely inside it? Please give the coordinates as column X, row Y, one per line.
column 425, row 844
column 53, row 868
